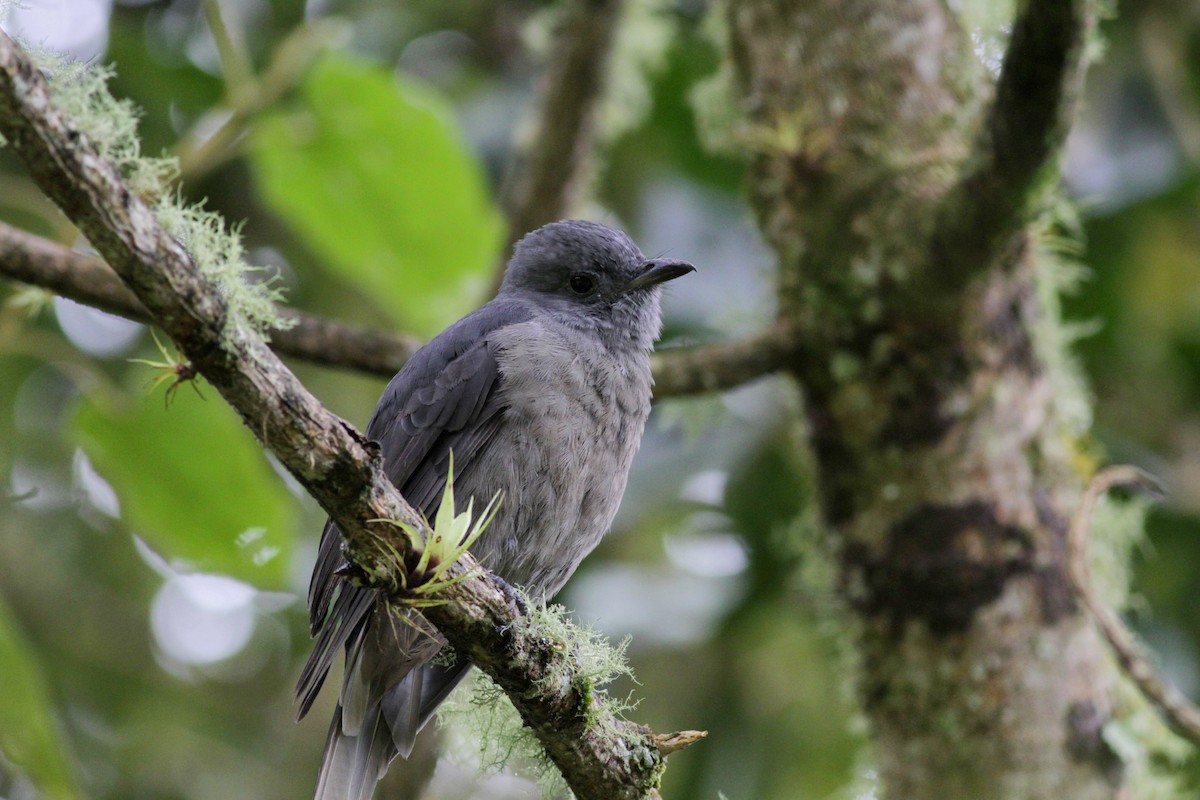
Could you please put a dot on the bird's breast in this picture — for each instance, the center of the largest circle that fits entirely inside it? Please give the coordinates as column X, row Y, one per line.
column 573, row 422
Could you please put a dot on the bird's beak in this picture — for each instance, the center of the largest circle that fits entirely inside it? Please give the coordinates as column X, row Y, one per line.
column 659, row 270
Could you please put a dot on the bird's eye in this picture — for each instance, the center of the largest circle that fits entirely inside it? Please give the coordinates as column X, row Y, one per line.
column 582, row 283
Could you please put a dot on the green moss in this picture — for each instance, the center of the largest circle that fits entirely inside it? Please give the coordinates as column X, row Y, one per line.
column 251, row 292
column 1151, row 753
column 1057, row 272
column 595, row 662
column 1147, row 747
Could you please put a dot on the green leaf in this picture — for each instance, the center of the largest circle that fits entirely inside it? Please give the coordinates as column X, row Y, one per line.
column 193, row 482
column 29, row 736
column 372, row 173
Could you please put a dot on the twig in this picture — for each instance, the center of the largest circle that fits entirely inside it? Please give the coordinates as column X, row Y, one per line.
column 716, row 367
column 236, row 67
column 610, row 759
column 1177, row 711
column 668, row 743
column 543, row 181
column 682, row 371
column 213, row 140
column 1023, row 132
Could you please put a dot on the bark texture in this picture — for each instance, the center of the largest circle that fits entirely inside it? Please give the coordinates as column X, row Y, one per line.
column 899, row 198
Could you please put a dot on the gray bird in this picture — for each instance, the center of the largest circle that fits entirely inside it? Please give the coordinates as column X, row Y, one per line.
column 542, row 395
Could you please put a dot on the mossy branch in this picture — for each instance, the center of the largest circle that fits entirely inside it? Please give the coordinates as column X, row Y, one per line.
column 334, row 463
column 1016, row 155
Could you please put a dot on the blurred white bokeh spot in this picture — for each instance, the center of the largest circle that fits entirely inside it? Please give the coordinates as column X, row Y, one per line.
column 93, row 489
column 78, row 28
column 201, row 619
column 706, row 487
column 96, row 332
column 711, row 553
column 653, row 605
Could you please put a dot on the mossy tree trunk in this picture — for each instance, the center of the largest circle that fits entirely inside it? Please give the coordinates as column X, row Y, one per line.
column 902, row 203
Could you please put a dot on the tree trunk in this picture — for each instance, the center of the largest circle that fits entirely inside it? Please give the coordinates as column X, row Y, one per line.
column 938, row 401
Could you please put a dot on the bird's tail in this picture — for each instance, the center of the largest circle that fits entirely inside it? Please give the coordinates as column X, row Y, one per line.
column 360, row 746
column 354, row 761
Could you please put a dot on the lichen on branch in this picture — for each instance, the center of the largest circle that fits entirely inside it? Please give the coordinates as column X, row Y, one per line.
column 109, row 125
column 485, row 725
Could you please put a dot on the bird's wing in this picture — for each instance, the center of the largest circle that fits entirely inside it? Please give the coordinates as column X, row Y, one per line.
column 445, row 400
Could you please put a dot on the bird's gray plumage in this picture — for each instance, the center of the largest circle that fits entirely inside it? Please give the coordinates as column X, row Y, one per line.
column 541, row 395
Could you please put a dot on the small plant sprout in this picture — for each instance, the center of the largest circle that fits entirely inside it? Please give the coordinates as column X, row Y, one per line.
column 175, row 368
column 450, row 536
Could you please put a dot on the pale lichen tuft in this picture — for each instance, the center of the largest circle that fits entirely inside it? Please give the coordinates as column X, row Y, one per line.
column 486, row 731
column 251, row 292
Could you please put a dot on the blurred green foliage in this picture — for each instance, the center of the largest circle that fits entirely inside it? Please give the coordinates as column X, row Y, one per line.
column 169, row 460
column 29, row 734
column 370, row 170
column 370, row 185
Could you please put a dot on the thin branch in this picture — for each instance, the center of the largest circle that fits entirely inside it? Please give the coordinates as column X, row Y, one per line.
column 215, row 138
column 681, row 371
column 482, row 615
column 1164, row 49
column 1173, row 706
column 40, row 262
column 1024, row 131
column 545, row 178
column 710, row 368
column 236, row 67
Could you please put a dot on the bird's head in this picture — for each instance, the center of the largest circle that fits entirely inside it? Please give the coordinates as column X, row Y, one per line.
column 593, row 276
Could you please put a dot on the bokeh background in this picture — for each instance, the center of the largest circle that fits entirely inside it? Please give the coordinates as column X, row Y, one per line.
column 153, row 561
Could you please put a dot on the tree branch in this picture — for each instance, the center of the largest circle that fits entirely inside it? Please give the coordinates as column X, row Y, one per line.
column 482, row 615
column 41, row 262
column 545, row 178
column 1023, row 133
column 680, row 371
